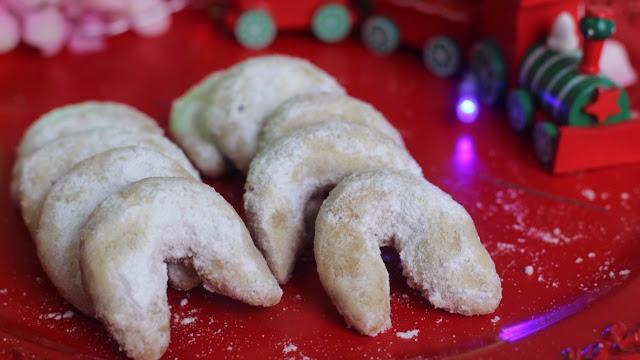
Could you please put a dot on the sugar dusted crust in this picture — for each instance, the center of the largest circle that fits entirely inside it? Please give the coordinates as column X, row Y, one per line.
column 131, row 233
column 249, row 91
column 307, row 109
column 74, row 196
column 44, row 167
column 187, row 125
column 71, row 119
column 436, row 239
column 287, row 173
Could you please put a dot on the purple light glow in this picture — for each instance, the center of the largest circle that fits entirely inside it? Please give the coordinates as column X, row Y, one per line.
column 467, row 109
column 526, row 328
column 465, row 154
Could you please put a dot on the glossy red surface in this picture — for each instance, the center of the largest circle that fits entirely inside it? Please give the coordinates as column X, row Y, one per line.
column 579, row 233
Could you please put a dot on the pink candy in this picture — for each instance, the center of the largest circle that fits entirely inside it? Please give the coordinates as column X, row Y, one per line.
column 9, row 31
column 81, row 25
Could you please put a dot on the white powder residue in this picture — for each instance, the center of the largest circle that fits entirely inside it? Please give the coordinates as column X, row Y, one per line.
column 3, row 292
column 591, row 254
column 187, row 320
column 184, row 302
column 495, row 319
column 528, row 270
column 578, row 260
column 289, row 348
column 553, row 237
column 624, row 272
column 408, row 334
column 624, row 196
column 589, row 194
column 57, row 316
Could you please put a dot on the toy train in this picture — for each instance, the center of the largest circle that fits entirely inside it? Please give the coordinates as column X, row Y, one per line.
column 579, row 119
column 255, row 23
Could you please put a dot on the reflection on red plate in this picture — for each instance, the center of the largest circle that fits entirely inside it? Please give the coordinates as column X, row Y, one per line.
column 579, row 234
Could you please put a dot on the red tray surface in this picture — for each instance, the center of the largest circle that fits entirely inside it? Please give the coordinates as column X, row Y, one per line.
column 580, row 233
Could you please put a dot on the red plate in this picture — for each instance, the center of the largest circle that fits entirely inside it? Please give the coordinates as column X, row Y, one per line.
column 579, row 233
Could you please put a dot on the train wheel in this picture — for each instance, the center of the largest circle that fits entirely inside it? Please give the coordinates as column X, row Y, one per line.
column 520, row 110
column 331, row 23
column 545, row 136
column 488, row 66
column 380, row 35
column 441, row 56
column 255, row 29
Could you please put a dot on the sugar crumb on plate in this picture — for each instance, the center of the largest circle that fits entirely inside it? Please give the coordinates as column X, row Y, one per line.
column 410, row 334
column 528, row 270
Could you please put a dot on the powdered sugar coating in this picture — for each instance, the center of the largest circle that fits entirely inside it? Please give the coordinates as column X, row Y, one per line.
column 71, row 200
column 249, row 91
column 83, row 116
column 288, row 172
column 191, row 133
column 44, row 167
column 436, row 239
column 306, row 109
column 75, row 118
column 131, row 233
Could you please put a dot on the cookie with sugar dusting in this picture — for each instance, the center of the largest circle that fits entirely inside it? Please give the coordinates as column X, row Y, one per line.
column 70, row 119
column 249, row 91
column 131, row 234
column 188, row 127
column 439, row 248
column 307, row 109
column 43, row 168
column 297, row 167
column 72, row 199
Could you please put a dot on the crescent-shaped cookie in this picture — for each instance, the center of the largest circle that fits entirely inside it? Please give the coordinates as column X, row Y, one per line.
column 131, row 234
column 436, row 239
column 249, row 91
column 41, row 169
column 70, row 119
column 306, row 109
column 83, row 116
column 188, row 127
column 288, row 172
column 75, row 195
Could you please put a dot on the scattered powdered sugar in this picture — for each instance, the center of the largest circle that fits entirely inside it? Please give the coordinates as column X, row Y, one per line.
column 187, row 320
column 589, row 194
column 289, row 348
column 3, row 292
column 184, row 302
column 495, row 319
column 407, row 334
column 624, row 272
column 57, row 315
column 578, row 260
column 528, row 270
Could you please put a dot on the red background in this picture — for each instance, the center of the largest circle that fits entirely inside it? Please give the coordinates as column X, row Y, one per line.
column 525, row 217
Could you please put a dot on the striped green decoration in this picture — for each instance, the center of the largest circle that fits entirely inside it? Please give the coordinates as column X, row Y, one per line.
column 554, row 80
